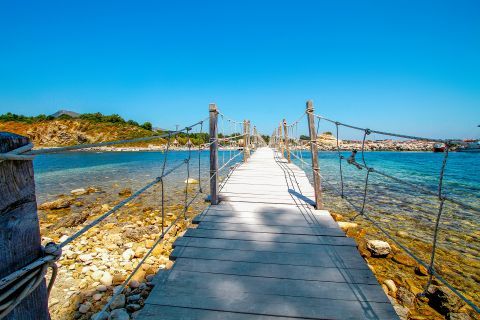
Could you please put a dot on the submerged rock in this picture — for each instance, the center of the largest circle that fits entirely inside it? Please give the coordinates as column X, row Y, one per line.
column 60, row 203
column 378, row 248
column 405, row 297
column 125, row 192
column 443, row 300
column 78, row 192
column 458, row 316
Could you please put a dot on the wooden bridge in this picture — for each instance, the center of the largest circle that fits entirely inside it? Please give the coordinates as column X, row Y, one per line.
column 264, row 252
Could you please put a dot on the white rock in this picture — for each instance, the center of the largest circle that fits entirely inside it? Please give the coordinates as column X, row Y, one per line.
column 78, row 192
column 106, row 279
column 101, row 288
column 97, row 275
column 390, row 285
column 378, row 247
column 346, row 225
column 85, row 257
column 128, row 254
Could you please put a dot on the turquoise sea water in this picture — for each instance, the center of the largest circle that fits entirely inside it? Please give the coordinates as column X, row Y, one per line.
column 392, row 205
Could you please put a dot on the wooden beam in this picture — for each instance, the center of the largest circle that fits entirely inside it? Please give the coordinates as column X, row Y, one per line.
column 20, row 242
column 285, row 133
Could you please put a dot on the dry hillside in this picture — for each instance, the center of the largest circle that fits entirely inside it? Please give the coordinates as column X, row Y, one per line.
column 63, row 132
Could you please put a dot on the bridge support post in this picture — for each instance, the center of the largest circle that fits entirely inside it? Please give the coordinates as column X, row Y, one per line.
column 280, row 134
column 314, row 151
column 285, row 133
column 246, row 150
column 212, row 108
column 20, row 242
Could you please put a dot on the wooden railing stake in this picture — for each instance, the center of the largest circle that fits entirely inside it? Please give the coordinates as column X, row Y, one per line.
column 285, row 133
column 314, row 150
column 213, row 153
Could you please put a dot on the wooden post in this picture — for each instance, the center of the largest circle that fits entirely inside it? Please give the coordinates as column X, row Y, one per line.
column 285, row 132
column 314, row 150
column 212, row 108
column 245, row 141
column 282, row 150
column 255, row 138
column 20, row 242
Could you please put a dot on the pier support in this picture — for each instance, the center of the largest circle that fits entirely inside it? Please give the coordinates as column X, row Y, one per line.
column 213, row 153
column 20, row 242
column 314, row 151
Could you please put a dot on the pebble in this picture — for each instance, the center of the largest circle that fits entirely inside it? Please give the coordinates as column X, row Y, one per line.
column 347, row 225
column 119, row 314
column 458, row 316
column 84, row 308
column 421, row 270
column 85, row 257
column 97, row 275
column 191, row 181
column 97, row 296
column 378, row 248
column 134, row 284
column 390, row 285
column 133, row 307
column 128, row 254
column 118, row 302
column 101, row 288
column 405, row 297
column 404, row 259
column 402, row 234
column 106, row 279
column 133, row 298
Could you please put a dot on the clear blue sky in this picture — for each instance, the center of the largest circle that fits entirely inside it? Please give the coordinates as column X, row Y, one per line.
column 404, row 66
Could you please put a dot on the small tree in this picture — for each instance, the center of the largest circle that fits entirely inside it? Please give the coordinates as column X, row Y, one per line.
column 147, row 126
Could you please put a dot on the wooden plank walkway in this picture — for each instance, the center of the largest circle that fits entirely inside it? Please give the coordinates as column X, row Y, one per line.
column 265, row 253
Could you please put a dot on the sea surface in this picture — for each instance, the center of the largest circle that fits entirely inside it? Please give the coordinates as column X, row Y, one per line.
column 394, row 206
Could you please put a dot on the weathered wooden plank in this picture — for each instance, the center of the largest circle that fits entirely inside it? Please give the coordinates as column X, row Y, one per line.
column 323, row 258
column 153, row 312
column 268, row 270
column 278, row 229
column 345, row 256
column 270, row 237
column 277, row 286
column 260, row 304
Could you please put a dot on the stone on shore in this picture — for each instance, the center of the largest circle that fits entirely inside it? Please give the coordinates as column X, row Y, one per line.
column 60, row 203
column 391, row 286
column 404, row 259
column 118, row 302
column 119, row 314
column 405, row 297
column 378, row 248
column 347, row 225
column 78, row 192
column 106, row 279
column 125, row 192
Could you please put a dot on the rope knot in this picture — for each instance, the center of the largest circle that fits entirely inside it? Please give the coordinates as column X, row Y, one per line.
column 52, row 249
column 351, row 160
column 368, row 131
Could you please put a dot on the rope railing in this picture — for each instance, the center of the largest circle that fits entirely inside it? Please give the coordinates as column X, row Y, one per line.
column 19, row 284
column 290, row 137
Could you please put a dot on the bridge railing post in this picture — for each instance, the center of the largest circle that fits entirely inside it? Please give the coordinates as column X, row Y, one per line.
column 285, row 133
column 314, row 151
column 20, row 242
column 213, row 112
column 246, row 151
